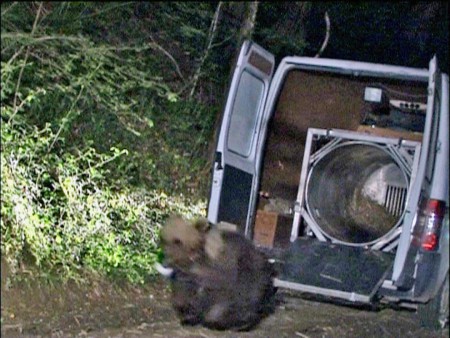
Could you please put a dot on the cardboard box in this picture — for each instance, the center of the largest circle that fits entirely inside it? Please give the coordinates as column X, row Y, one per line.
column 272, row 229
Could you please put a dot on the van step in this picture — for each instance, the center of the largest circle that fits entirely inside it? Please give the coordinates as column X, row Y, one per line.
column 335, row 270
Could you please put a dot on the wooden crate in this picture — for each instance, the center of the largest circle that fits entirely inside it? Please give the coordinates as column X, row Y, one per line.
column 272, row 229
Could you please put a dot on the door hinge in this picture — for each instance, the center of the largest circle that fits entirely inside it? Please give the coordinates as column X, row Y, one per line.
column 218, row 160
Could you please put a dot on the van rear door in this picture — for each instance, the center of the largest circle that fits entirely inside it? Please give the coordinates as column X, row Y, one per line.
column 404, row 267
column 234, row 168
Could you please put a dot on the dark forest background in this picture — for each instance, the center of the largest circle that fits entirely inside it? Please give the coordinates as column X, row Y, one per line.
column 108, row 112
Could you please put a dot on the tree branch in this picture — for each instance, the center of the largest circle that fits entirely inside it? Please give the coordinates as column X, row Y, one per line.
column 9, row 8
column 19, row 79
column 211, row 36
column 327, row 36
column 154, row 44
column 61, row 127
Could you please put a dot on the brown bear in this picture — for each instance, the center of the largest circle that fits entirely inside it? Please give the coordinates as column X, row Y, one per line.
column 220, row 279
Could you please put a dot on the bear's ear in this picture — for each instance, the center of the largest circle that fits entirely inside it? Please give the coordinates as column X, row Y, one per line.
column 202, row 225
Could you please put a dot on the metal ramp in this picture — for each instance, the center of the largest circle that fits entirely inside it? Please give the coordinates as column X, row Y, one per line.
column 335, row 270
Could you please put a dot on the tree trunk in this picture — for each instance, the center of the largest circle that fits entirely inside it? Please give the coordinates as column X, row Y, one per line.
column 248, row 25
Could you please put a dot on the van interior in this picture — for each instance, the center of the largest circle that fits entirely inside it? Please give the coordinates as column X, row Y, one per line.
column 314, row 99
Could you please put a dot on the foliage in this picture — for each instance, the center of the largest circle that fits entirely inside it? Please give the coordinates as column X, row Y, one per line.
column 77, row 116
column 58, row 214
column 80, row 82
column 103, row 84
column 281, row 26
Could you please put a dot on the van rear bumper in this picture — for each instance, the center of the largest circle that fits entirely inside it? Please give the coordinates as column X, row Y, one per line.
column 426, row 284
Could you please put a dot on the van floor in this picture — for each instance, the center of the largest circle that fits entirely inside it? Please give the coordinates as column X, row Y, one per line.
column 350, row 271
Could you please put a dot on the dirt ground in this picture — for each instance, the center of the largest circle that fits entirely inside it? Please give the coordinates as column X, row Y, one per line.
column 102, row 309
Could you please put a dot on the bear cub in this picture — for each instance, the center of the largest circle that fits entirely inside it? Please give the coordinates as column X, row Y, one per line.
column 220, row 280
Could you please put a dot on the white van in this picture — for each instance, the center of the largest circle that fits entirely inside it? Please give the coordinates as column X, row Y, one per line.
column 340, row 171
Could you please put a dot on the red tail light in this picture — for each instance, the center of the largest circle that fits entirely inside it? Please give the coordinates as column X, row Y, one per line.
column 429, row 242
column 433, row 215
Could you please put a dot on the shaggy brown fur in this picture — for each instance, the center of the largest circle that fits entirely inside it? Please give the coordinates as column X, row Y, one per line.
column 221, row 280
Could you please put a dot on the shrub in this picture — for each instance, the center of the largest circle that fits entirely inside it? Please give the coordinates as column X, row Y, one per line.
column 77, row 116
column 58, row 213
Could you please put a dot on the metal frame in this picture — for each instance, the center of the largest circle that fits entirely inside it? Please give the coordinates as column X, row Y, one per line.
column 351, row 296
column 399, row 149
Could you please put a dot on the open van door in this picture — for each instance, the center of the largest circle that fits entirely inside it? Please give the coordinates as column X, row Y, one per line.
column 234, row 168
column 404, row 266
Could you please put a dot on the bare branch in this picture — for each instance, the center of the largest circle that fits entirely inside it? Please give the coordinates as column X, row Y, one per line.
column 16, row 54
column 214, row 45
column 19, row 79
column 154, row 44
column 61, row 127
column 38, row 39
column 211, row 36
column 9, row 8
column 327, row 36
column 83, row 16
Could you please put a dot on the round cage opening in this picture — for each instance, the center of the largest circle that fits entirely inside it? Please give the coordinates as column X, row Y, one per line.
column 356, row 193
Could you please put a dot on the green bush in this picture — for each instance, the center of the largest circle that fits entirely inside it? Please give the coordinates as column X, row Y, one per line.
column 57, row 212
column 99, row 86
column 77, row 121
